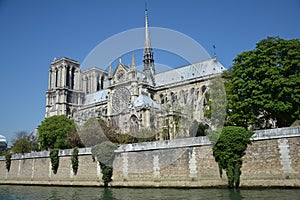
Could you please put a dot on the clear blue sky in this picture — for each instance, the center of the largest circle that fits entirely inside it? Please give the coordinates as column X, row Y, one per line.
column 33, row 32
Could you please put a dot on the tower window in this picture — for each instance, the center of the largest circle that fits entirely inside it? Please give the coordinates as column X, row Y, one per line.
column 68, row 77
column 56, row 78
column 72, row 78
column 102, row 83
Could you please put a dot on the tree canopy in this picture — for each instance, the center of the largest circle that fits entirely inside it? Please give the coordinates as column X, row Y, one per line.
column 264, row 84
column 54, row 132
column 22, row 144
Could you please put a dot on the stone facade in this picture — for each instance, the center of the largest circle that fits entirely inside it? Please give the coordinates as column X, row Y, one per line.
column 129, row 99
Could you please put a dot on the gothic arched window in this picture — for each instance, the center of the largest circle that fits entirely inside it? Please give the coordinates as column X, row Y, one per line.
column 162, row 100
column 134, row 124
column 173, row 97
column 203, row 89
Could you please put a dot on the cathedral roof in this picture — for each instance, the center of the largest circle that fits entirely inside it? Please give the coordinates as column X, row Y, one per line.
column 144, row 100
column 192, row 71
column 96, row 97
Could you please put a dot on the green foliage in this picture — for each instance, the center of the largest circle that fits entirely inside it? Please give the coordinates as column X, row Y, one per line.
column 105, row 154
column 54, row 131
column 74, row 160
column 197, row 129
column 125, row 138
column 229, row 150
column 264, row 84
column 296, row 123
column 73, row 140
column 8, row 161
column 97, row 130
column 21, row 143
column 107, row 172
column 143, row 135
column 24, row 146
column 54, row 160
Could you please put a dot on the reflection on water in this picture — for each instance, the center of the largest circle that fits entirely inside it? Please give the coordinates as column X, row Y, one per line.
column 85, row 193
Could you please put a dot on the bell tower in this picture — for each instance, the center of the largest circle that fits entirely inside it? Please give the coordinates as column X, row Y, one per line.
column 63, row 95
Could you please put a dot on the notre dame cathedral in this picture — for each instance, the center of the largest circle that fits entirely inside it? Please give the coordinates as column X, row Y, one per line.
column 129, row 99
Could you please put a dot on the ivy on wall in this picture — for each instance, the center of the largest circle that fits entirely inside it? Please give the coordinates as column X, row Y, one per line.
column 104, row 153
column 107, row 172
column 228, row 151
column 54, row 160
column 74, row 160
column 8, row 161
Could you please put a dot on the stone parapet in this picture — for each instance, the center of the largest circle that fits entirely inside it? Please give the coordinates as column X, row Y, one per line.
column 46, row 154
column 277, row 133
column 166, row 144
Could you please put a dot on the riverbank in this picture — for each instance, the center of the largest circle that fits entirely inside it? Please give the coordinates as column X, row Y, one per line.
column 273, row 160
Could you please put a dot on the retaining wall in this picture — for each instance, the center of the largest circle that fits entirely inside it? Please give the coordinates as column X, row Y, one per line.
column 35, row 169
column 273, row 159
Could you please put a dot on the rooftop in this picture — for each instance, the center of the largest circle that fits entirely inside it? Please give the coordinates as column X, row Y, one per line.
column 96, row 97
column 192, row 71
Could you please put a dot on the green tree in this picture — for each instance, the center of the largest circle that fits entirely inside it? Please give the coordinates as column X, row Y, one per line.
column 22, row 144
column 54, row 131
column 74, row 140
column 264, row 84
column 228, row 151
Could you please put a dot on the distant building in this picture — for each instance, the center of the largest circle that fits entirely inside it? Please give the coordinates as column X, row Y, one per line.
column 3, row 143
column 130, row 99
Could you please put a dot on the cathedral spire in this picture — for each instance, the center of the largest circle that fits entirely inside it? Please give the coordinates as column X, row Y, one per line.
column 149, row 68
column 147, row 36
column 133, row 61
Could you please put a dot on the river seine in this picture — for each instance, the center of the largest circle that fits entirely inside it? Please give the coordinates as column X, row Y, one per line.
column 8, row 192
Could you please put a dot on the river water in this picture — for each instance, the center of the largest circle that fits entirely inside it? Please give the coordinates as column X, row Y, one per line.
column 8, row 192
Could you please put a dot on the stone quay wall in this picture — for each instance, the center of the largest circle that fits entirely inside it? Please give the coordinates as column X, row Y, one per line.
column 272, row 160
column 35, row 169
